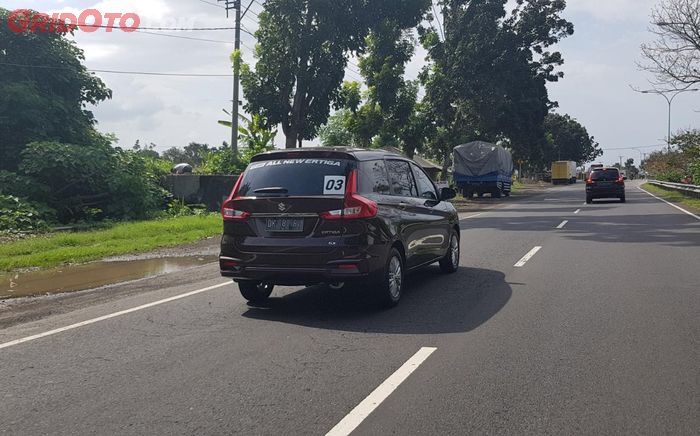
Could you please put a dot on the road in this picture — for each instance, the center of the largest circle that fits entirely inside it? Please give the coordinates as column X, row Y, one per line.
column 596, row 332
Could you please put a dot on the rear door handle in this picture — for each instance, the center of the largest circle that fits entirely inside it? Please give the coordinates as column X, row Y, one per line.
column 403, row 205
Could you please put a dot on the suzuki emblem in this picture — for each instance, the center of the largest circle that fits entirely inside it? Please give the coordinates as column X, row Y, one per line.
column 282, row 207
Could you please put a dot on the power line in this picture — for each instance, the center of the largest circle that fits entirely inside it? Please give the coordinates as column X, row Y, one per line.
column 185, row 37
column 247, row 9
column 244, row 30
column 213, row 4
column 142, row 73
column 634, row 148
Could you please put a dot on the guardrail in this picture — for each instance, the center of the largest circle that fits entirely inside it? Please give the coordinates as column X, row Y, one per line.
column 683, row 188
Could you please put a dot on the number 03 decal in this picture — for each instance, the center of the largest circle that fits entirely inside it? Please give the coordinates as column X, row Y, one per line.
column 334, row 185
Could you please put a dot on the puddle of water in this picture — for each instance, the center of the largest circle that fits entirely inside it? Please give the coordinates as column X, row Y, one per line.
column 91, row 275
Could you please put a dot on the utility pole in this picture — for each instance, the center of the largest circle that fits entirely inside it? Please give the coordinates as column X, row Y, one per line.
column 235, row 5
column 621, row 157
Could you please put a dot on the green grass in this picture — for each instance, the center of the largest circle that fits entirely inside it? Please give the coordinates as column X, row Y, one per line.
column 125, row 238
column 673, row 196
column 517, row 186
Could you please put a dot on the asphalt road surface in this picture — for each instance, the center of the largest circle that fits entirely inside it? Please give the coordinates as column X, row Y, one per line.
column 595, row 332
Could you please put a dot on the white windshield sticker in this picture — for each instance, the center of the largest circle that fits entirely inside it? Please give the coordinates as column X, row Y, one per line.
column 269, row 163
column 334, row 185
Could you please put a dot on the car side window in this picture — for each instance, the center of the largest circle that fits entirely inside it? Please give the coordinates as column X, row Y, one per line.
column 373, row 178
column 426, row 188
column 401, row 179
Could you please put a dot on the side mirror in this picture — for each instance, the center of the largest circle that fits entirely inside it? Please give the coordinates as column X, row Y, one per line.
column 447, row 194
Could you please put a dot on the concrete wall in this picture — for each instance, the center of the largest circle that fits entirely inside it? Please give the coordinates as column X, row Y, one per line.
column 200, row 189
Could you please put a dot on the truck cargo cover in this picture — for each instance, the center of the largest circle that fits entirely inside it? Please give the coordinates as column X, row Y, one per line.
column 480, row 158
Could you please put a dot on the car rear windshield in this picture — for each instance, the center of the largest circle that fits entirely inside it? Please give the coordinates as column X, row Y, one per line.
column 605, row 175
column 295, row 178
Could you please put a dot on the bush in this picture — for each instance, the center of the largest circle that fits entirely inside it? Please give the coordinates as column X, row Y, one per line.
column 93, row 182
column 19, row 216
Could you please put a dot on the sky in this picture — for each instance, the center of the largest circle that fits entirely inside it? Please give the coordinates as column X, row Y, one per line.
column 600, row 65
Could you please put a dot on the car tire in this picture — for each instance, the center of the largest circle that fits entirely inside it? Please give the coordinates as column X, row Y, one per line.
column 623, row 199
column 338, row 286
column 255, row 292
column 589, row 200
column 390, row 281
column 496, row 194
column 450, row 263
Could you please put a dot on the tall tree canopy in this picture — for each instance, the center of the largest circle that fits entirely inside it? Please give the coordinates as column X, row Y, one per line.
column 45, row 103
column 489, row 72
column 568, row 140
column 302, row 54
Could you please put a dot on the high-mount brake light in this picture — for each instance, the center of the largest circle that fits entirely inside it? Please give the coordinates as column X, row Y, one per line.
column 228, row 209
column 355, row 206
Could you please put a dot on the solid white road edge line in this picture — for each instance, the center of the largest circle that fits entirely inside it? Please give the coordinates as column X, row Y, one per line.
column 577, row 211
column 670, row 204
column 521, row 263
column 110, row 316
column 563, row 223
column 353, row 419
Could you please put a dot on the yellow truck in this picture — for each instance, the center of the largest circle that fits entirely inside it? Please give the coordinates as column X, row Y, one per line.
column 563, row 172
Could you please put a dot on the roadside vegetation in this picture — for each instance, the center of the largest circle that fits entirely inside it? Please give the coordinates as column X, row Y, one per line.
column 673, row 196
column 63, row 248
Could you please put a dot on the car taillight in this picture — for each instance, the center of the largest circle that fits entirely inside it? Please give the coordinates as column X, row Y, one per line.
column 228, row 209
column 620, row 179
column 589, row 181
column 355, row 206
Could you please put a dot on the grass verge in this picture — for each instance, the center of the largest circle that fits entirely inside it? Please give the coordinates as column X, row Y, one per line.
column 125, row 238
column 673, row 196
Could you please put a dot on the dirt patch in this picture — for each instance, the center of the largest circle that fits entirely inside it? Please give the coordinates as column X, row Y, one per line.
column 205, row 247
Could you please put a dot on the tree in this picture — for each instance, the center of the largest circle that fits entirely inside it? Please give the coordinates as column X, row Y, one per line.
column 254, row 133
column 569, row 140
column 488, row 75
column 47, row 103
column 674, row 57
column 301, row 57
column 335, row 133
column 193, row 154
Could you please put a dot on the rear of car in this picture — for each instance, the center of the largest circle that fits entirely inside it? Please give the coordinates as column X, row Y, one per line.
column 334, row 216
column 299, row 220
column 605, row 183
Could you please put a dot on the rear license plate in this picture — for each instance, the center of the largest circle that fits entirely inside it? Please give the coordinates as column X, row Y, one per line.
column 606, row 184
column 284, row 224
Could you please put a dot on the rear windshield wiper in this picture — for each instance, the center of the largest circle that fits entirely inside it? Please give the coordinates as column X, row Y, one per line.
column 271, row 190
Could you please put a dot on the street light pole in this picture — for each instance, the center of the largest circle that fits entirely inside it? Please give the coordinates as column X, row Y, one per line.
column 669, row 100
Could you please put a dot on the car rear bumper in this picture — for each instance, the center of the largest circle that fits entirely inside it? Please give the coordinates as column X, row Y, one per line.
column 612, row 192
column 333, row 272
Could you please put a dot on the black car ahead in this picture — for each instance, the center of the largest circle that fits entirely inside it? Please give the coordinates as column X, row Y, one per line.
column 333, row 216
column 605, row 183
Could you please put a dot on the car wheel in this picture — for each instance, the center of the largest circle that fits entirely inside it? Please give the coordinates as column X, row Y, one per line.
column 496, row 193
column 623, row 199
column 390, row 282
column 336, row 286
column 589, row 200
column 450, row 263
column 255, row 292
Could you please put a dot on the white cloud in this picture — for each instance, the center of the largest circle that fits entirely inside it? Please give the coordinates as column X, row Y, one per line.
column 613, row 10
